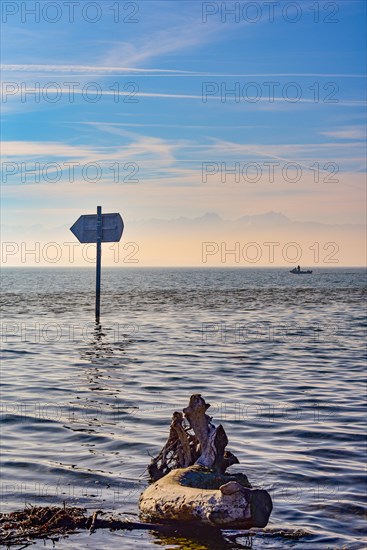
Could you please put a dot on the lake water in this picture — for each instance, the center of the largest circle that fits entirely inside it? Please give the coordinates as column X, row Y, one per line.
column 280, row 357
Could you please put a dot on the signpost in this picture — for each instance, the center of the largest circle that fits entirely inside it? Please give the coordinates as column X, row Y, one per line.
column 100, row 228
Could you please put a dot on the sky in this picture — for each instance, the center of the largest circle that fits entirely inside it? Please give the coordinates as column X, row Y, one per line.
column 213, row 128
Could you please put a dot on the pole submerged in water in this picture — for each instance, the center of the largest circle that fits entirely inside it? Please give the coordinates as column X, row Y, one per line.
column 98, row 262
column 91, row 228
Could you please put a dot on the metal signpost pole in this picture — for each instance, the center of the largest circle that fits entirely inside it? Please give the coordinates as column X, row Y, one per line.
column 98, row 264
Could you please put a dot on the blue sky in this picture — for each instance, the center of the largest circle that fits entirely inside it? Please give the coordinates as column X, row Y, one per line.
column 151, row 75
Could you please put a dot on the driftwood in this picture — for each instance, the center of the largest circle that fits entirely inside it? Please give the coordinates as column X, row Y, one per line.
column 194, row 441
column 189, row 479
column 50, row 522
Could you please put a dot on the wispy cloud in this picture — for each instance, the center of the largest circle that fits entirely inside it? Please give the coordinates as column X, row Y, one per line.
column 285, row 149
column 118, row 69
column 351, row 132
column 261, row 101
column 347, row 157
column 151, row 153
column 179, row 37
column 32, row 149
column 28, row 68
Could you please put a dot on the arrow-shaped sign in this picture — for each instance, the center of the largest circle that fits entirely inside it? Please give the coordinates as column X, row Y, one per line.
column 85, row 228
column 98, row 228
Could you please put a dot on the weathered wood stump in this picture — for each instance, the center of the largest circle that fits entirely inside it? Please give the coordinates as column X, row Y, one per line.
column 189, row 479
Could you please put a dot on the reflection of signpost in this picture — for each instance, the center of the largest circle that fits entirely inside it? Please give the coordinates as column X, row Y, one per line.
column 98, row 228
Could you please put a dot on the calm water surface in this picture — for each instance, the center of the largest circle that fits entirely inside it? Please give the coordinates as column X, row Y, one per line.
column 281, row 358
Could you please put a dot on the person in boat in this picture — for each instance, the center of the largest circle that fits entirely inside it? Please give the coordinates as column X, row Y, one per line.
column 298, row 268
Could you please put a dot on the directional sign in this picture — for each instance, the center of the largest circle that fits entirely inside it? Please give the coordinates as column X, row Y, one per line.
column 98, row 228
column 85, row 228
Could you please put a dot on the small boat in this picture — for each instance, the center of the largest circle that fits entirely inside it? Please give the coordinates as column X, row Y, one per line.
column 299, row 272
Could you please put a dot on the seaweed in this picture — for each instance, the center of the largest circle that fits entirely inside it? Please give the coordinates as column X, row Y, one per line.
column 53, row 522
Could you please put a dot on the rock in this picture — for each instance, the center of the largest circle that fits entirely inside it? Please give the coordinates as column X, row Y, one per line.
column 198, row 494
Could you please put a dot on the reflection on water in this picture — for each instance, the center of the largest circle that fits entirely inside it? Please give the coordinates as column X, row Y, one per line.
column 281, row 360
column 100, row 345
column 203, row 539
column 206, row 538
column 97, row 349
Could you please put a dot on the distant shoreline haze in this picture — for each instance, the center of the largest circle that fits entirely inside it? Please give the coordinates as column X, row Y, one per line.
column 266, row 240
